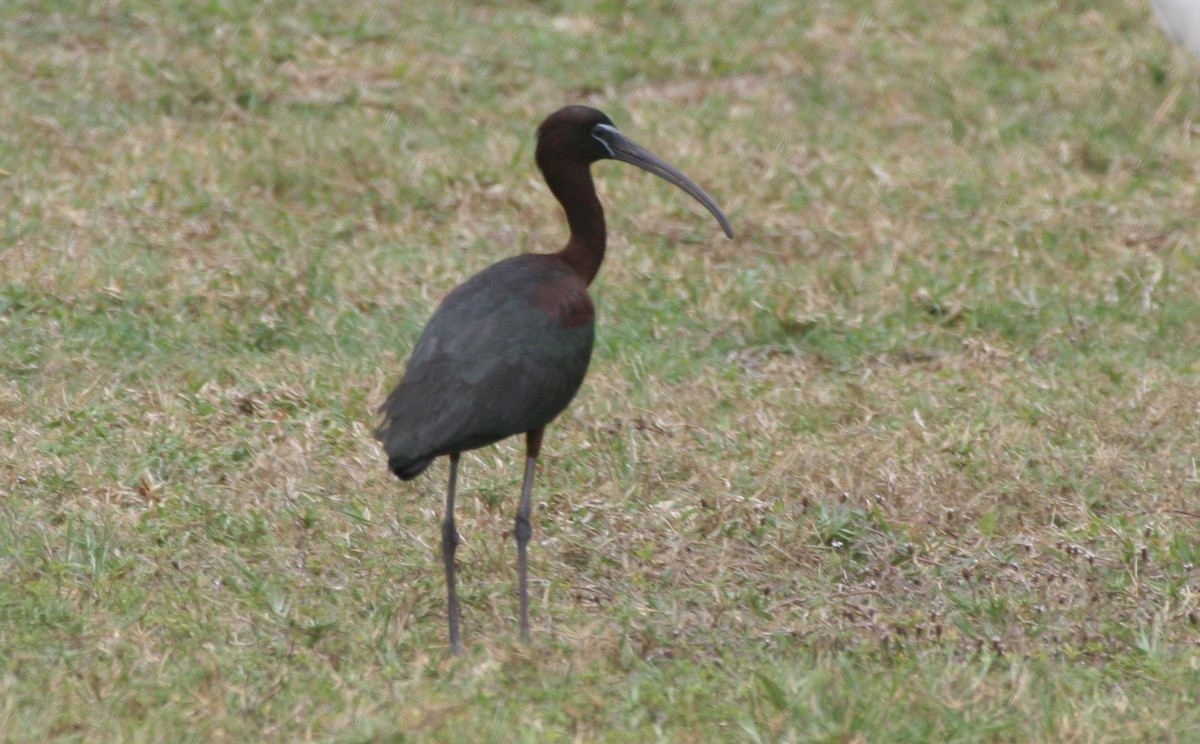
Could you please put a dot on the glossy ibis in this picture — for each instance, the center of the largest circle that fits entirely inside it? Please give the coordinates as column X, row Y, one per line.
column 506, row 351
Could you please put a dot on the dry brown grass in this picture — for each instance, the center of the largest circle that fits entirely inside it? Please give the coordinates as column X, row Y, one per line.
column 910, row 460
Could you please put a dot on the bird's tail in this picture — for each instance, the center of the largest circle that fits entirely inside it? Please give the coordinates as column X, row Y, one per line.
column 401, row 460
column 407, row 468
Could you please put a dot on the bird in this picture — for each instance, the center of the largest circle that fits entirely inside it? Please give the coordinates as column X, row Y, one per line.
column 506, row 351
column 1180, row 19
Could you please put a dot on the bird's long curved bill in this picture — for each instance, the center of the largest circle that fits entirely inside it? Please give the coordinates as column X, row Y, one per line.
column 628, row 151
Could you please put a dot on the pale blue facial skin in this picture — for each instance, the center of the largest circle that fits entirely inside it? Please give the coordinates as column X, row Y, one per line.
column 610, row 131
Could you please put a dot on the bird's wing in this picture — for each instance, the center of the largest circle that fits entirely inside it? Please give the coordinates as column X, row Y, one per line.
column 503, row 354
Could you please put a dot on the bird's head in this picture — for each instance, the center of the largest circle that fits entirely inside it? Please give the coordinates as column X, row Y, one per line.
column 581, row 135
column 575, row 133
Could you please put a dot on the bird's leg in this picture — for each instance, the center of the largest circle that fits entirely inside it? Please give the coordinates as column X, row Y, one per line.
column 449, row 543
column 524, row 529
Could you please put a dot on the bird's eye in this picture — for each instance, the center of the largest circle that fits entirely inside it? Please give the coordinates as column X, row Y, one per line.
column 603, row 133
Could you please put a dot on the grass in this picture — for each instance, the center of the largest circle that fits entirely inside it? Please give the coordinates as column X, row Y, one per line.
column 911, row 460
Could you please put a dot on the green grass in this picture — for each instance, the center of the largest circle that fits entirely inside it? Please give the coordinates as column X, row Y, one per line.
column 911, row 460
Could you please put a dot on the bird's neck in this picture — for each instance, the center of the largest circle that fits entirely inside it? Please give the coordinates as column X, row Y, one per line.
column 576, row 192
